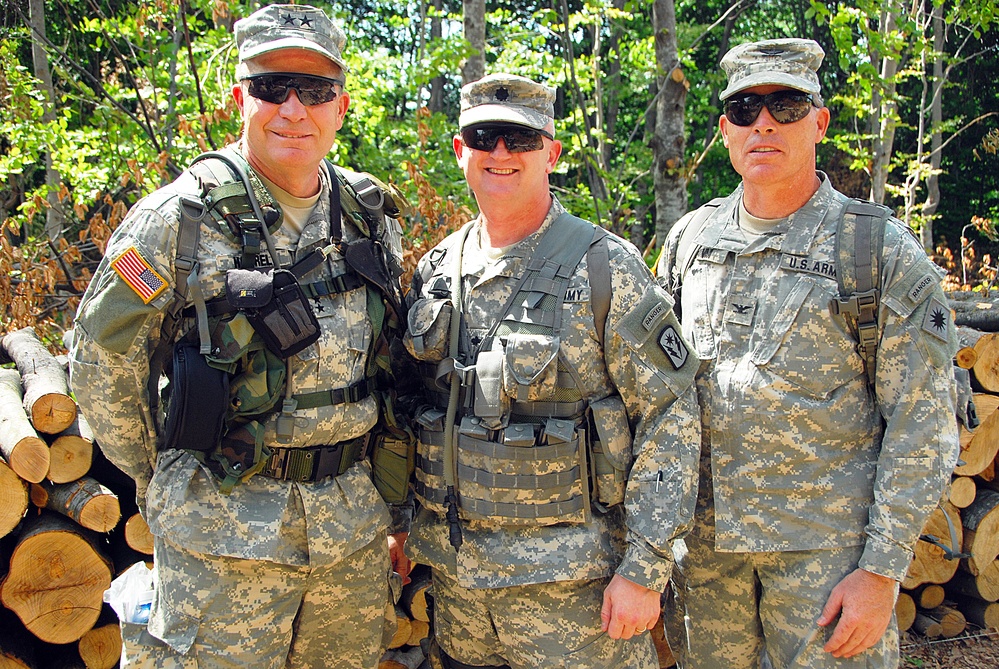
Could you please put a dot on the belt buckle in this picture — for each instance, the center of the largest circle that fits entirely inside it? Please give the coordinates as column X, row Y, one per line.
column 300, row 465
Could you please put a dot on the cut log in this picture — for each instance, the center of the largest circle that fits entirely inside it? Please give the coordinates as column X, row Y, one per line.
column 905, row 611
column 100, row 648
column 979, row 446
column 928, row 596
column 983, row 586
column 966, row 355
column 25, row 452
column 86, row 501
column 929, row 628
column 13, row 499
column 138, row 536
column 71, row 452
column 930, row 563
column 962, row 491
column 978, row 611
column 410, row 658
column 952, row 622
column 981, row 316
column 986, row 368
column 414, row 594
column 46, row 384
column 57, row 579
column 981, row 530
column 418, row 631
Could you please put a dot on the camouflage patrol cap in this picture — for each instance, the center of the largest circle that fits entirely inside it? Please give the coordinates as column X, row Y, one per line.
column 507, row 98
column 289, row 27
column 790, row 62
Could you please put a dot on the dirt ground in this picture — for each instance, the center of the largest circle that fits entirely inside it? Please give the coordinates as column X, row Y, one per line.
column 975, row 649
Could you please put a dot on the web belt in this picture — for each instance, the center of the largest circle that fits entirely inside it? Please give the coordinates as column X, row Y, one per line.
column 313, row 463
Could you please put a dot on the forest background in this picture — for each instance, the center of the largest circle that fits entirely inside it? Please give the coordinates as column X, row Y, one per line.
column 102, row 102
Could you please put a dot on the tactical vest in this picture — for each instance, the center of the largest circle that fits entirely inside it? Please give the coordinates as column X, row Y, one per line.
column 526, row 448
column 247, row 372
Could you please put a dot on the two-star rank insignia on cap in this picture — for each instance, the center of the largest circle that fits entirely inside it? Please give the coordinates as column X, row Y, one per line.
column 139, row 275
column 937, row 319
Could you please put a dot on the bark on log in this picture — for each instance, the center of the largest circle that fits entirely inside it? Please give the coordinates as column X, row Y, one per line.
column 100, row 647
column 962, row 491
column 17, row 648
column 981, row 530
column 57, row 579
column 46, row 384
column 71, row 452
column 25, row 452
column 980, row 446
column 986, row 320
column 978, row 611
column 930, row 564
column 928, row 627
column 137, row 535
column 13, row 499
column 905, row 611
column 411, row 658
column 983, row 586
column 86, row 501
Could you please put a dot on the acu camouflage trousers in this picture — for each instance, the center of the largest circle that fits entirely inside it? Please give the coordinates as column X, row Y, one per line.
column 752, row 610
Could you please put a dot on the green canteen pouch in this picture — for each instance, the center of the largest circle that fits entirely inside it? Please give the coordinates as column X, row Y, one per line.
column 392, row 462
column 427, row 331
column 276, row 306
column 199, row 400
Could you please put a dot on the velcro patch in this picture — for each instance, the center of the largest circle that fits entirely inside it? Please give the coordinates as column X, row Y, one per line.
column 740, row 310
column 673, row 346
column 139, row 275
column 937, row 319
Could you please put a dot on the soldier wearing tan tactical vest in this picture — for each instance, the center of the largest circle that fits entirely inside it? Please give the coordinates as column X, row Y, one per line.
column 257, row 282
column 829, row 418
column 557, row 448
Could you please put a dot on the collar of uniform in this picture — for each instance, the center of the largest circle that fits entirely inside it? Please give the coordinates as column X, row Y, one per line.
column 804, row 223
column 510, row 262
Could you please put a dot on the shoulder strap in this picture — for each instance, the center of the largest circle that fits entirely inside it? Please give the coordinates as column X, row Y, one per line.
column 685, row 248
column 859, row 248
column 598, row 264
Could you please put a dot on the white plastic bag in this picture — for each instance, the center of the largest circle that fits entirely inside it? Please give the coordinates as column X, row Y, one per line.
column 131, row 594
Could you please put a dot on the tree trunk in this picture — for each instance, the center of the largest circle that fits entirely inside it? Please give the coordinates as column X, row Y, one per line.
column 936, row 134
column 57, row 579
column 436, row 103
column 54, row 218
column 71, row 452
column 883, row 107
column 668, row 143
column 25, row 452
column 86, row 501
column 46, row 386
column 475, row 34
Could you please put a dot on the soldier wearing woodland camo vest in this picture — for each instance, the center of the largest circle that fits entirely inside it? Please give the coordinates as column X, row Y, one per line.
column 557, row 451
column 817, row 469
column 253, row 471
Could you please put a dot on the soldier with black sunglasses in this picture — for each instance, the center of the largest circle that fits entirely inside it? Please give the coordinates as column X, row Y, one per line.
column 256, row 469
column 828, row 438
column 556, row 449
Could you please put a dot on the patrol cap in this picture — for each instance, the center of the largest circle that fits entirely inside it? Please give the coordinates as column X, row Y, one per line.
column 790, row 62
column 507, row 98
column 289, row 27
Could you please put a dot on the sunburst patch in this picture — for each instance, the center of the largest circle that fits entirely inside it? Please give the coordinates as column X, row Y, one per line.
column 937, row 320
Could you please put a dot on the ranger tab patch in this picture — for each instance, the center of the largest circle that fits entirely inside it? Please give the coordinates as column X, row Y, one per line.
column 673, row 346
column 139, row 275
column 937, row 319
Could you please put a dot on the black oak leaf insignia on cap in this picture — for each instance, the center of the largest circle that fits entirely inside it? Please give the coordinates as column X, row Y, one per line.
column 502, row 93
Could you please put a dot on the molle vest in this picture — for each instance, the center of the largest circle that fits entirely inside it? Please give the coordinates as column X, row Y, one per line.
column 526, row 443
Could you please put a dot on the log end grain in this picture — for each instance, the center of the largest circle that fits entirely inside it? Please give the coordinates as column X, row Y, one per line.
column 53, row 412
column 30, row 459
column 101, row 513
column 13, row 499
column 70, row 458
column 100, row 648
column 138, row 536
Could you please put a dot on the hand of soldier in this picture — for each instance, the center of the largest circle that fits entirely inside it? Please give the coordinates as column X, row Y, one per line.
column 864, row 602
column 397, row 552
column 629, row 609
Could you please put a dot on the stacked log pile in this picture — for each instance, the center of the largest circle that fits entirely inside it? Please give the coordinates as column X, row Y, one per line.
column 953, row 581
column 66, row 516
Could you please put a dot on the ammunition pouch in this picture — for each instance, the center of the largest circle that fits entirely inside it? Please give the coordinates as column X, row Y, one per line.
column 199, row 401
column 610, row 450
column 276, row 306
column 393, row 459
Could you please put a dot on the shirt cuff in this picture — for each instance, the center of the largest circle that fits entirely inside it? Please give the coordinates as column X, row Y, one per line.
column 648, row 569
column 886, row 559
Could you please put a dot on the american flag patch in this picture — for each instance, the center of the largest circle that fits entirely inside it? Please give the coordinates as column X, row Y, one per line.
column 139, row 275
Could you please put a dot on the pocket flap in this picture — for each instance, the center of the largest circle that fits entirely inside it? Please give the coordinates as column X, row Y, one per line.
column 528, row 356
column 248, row 289
column 424, row 313
column 610, row 419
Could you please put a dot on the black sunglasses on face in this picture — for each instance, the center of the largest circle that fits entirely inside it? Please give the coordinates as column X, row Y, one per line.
column 784, row 106
column 274, row 86
column 517, row 138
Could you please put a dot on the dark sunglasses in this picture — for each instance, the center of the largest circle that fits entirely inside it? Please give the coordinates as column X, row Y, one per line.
column 784, row 106
column 274, row 86
column 517, row 138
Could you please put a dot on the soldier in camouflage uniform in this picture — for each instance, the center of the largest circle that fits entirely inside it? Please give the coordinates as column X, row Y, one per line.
column 814, row 484
column 557, row 451
column 288, row 568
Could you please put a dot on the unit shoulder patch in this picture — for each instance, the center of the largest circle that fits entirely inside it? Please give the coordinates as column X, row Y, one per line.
column 937, row 319
column 673, row 346
column 139, row 275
